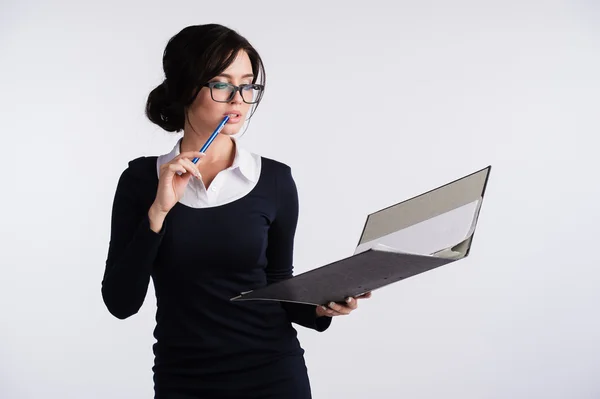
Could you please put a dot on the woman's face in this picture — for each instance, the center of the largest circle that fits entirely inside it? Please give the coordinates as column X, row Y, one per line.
column 205, row 114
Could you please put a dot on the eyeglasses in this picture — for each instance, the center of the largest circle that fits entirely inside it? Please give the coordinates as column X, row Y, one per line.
column 223, row 92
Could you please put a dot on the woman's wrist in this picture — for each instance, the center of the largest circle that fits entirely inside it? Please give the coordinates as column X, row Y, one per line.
column 157, row 218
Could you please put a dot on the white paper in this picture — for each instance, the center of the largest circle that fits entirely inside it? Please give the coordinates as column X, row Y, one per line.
column 427, row 237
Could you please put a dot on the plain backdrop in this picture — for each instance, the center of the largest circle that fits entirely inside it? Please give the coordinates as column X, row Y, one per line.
column 370, row 103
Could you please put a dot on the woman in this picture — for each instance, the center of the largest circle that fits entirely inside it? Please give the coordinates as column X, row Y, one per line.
column 209, row 230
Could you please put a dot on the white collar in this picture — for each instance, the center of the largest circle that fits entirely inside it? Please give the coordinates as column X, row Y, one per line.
column 243, row 160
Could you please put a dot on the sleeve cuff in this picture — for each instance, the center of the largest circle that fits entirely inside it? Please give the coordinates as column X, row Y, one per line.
column 322, row 323
column 148, row 232
column 306, row 316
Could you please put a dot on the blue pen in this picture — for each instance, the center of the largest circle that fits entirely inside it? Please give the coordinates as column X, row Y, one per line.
column 212, row 137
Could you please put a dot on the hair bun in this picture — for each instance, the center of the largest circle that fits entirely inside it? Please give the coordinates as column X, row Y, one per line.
column 163, row 111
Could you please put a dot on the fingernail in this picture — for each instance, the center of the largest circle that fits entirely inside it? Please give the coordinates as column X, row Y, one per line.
column 323, row 307
column 348, row 300
column 332, row 304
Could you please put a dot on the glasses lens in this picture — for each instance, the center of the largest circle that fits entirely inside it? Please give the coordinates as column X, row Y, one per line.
column 221, row 91
column 251, row 93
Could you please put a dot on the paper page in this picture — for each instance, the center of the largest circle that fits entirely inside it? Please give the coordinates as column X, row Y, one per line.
column 427, row 237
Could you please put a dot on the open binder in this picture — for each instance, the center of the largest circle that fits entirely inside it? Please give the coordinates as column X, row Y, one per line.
column 411, row 237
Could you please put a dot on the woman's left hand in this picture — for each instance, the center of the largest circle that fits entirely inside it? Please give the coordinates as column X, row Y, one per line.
column 339, row 309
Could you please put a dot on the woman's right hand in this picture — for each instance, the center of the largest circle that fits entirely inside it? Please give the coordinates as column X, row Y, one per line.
column 172, row 179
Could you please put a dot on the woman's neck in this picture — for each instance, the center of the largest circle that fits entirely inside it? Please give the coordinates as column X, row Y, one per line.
column 222, row 149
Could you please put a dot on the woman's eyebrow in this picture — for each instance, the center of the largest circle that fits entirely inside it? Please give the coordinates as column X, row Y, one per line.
column 226, row 75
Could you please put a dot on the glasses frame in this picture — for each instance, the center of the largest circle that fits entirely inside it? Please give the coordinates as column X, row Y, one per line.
column 235, row 89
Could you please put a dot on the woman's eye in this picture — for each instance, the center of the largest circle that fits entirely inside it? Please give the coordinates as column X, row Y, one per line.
column 221, row 86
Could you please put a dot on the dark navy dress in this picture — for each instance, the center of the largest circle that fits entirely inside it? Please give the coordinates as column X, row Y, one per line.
column 206, row 345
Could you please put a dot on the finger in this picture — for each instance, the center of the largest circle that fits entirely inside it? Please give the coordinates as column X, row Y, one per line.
column 333, row 313
column 339, row 308
column 366, row 295
column 174, row 168
column 177, row 169
column 326, row 311
column 189, row 167
column 352, row 303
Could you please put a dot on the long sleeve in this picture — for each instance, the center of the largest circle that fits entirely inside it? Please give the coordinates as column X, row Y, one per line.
column 132, row 249
column 280, row 251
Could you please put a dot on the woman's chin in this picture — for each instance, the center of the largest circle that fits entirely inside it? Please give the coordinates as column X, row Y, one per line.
column 230, row 130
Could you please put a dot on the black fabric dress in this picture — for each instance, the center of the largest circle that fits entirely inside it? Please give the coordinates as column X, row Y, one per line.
column 206, row 345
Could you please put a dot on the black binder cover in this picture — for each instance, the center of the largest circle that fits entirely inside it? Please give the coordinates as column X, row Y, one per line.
column 380, row 266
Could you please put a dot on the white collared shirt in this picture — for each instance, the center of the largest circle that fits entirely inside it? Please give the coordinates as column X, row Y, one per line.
column 229, row 184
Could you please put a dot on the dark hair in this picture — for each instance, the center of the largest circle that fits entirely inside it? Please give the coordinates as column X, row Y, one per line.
column 191, row 58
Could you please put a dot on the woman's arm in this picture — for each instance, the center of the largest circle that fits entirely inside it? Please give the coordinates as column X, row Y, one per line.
column 280, row 251
column 132, row 250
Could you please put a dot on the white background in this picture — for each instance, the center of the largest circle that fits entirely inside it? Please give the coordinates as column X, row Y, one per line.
column 370, row 103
